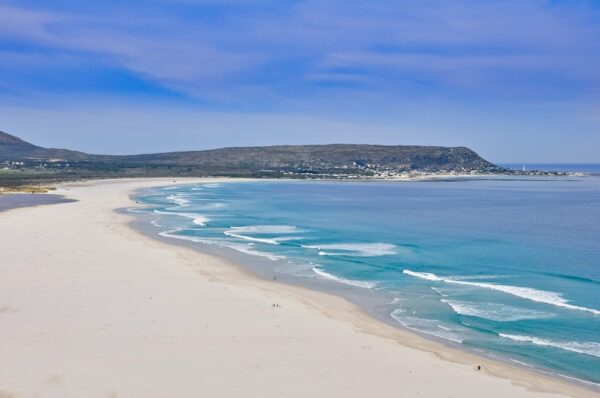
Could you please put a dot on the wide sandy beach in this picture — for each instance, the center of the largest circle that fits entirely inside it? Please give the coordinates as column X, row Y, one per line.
column 89, row 307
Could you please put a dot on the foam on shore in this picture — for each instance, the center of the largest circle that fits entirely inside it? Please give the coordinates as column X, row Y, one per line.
column 247, row 248
column 431, row 327
column 351, row 282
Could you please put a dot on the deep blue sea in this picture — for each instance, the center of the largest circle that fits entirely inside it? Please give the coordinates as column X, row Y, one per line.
column 587, row 168
column 507, row 267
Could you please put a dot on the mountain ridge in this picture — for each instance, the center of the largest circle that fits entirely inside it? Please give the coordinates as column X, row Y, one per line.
column 307, row 159
column 14, row 148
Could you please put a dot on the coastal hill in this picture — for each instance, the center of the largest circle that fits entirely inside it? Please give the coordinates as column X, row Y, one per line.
column 325, row 157
column 14, row 148
column 300, row 160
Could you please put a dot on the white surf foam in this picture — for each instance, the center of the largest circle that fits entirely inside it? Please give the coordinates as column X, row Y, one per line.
column 438, row 291
column 200, row 207
column 423, row 275
column 135, row 211
column 214, row 185
column 495, row 311
column 267, row 229
column 428, row 326
column 178, row 200
column 351, row 282
column 198, row 219
column 271, row 241
column 540, row 296
column 587, row 348
column 247, row 248
column 201, row 220
column 241, row 233
column 172, row 234
column 354, row 249
column 479, row 277
column 521, row 363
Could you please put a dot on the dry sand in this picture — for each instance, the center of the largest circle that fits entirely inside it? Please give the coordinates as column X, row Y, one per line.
column 91, row 308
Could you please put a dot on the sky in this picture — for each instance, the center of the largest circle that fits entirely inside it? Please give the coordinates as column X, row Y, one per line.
column 517, row 81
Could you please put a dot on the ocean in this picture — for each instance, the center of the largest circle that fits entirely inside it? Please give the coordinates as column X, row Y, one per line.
column 587, row 168
column 506, row 267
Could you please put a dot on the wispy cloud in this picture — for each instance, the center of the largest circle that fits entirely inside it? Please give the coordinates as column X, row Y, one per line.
column 19, row 23
column 208, row 49
column 342, row 59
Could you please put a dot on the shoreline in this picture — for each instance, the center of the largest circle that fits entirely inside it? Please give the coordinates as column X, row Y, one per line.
column 202, row 276
column 45, row 188
column 259, row 268
column 255, row 268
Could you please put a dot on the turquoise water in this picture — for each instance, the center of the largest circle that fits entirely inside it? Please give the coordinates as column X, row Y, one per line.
column 508, row 267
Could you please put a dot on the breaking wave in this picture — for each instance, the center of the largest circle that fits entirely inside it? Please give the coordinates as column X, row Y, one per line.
column 271, row 241
column 242, row 233
column 587, row 348
column 495, row 311
column 178, row 200
column 540, row 296
column 267, row 229
column 196, row 218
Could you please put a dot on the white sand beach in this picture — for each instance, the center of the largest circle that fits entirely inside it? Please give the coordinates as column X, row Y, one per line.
column 89, row 307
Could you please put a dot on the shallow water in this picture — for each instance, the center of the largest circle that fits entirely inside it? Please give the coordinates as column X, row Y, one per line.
column 17, row 200
column 508, row 266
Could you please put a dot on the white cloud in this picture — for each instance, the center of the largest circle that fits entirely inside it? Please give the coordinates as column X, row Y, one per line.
column 276, row 51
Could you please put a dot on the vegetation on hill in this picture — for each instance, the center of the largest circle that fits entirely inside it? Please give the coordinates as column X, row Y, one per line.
column 24, row 163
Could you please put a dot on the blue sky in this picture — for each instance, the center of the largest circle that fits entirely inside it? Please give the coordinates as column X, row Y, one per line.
column 514, row 80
